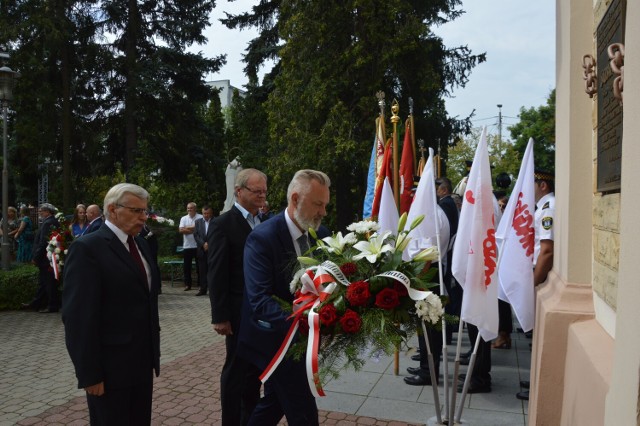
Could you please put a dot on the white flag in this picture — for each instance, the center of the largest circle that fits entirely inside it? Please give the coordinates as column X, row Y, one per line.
column 388, row 217
column 516, row 232
column 475, row 251
column 435, row 220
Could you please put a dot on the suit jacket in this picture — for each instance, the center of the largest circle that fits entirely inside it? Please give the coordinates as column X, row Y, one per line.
column 227, row 235
column 94, row 226
column 269, row 265
column 110, row 315
column 42, row 240
column 201, row 236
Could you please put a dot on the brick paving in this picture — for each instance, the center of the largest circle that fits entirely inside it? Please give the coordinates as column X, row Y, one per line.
column 38, row 386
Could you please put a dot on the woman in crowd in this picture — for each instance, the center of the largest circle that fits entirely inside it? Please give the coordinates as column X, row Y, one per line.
column 24, row 236
column 79, row 223
column 12, row 228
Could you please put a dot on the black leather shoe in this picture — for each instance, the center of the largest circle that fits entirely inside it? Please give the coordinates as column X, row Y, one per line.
column 466, row 355
column 475, row 388
column 523, row 396
column 48, row 311
column 187, row 287
column 27, row 307
column 525, row 384
column 464, row 361
column 201, row 293
column 418, row 381
column 418, row 371
column 415, row 357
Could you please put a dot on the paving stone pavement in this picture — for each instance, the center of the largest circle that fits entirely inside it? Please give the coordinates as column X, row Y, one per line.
column 38, row 385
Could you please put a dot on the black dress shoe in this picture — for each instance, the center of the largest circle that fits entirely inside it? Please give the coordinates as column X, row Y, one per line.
column 48, row 311
column 27, row 307
column 523, row 396
column 201, row 293
column 464, row 361
column 187, row 287
column 466, row 355
column 418, row 381
column 417, row 371
column 476, row 388
column 415, row 357
column 525, row 384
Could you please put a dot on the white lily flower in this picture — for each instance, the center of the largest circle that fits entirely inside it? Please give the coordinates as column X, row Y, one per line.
column 372, row 249
column 337, row 243
column 428, row 254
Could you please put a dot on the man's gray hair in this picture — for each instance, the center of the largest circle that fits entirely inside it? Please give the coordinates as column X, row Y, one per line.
column 117, row 193
column 301, row 182
column 244, row 175
column 48, row 207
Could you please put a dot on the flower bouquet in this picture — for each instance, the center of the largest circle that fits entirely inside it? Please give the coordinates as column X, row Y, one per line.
column 58, row 246
column 357, row 297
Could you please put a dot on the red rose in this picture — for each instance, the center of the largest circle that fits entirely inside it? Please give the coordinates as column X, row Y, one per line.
column 350, row 322
column 349, row 269
column 387, row 299
column 401, row 289
column 328, row 314
column 358, row 293
column 303, row 325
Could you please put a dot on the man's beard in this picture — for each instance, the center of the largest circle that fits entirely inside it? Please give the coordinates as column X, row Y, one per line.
column 305, row 223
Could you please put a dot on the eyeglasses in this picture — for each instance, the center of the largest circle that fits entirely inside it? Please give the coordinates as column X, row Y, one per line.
column 136, row 210
column 256, row 191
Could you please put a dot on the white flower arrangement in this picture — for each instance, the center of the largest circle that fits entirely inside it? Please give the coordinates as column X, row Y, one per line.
column 430, row 309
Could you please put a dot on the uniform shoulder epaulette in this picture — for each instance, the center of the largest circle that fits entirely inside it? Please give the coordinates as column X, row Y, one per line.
column 546, row 205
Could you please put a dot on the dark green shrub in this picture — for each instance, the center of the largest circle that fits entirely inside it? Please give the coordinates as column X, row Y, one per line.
column 17, row 285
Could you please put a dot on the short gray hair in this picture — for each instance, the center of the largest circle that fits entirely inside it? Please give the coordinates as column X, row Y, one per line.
column 301, row 182
column 117, row 192
column 48, row 207
column 244, row 175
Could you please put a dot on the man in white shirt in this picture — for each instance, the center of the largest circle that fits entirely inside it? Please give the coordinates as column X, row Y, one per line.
column 189, row 247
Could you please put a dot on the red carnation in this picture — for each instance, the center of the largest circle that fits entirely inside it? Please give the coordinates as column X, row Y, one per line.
column 358, row 293
column 401, row 289
column 350, row 322
column 387, row 299
column 328, row 314
column 349, row 268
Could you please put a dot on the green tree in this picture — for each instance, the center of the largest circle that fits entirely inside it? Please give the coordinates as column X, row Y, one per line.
column 539, row 124
column 335, row 56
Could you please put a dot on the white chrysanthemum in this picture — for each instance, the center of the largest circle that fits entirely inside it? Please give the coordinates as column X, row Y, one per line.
column 293, row 285
column 372, row 249
column 430, row 309
column 363, row 227
column 170, row 221
column 57, row 250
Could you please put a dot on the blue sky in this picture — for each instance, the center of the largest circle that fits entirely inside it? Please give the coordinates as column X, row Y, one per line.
column 517, row 35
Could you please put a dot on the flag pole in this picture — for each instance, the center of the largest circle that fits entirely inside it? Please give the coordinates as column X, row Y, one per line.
column 413, row 136
column 395, row 109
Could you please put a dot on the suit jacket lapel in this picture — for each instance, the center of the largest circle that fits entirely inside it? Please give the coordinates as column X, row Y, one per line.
column 119, row 249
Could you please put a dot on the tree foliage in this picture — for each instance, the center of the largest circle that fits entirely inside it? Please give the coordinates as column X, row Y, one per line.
column 539, row 124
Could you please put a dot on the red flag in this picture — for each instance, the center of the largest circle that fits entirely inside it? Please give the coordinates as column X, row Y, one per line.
column 406, row 171
column 385, row 172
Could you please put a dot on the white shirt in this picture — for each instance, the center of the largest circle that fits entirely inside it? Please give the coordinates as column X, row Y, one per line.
column 122, row 236
column 543, row 222
column 188, row 242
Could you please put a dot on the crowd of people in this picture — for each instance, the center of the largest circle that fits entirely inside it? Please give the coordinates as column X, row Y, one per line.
column 243, row 258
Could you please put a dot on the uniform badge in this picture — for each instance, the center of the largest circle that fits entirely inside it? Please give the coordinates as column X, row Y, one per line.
column 547, row 222
column 546, row 205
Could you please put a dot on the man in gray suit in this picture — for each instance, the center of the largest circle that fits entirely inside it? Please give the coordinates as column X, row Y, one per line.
column 202, row 233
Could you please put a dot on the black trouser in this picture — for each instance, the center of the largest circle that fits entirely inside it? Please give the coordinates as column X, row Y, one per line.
column 482, row 367
column 122, row 407
column 203, row 267
column 47, row 289
column 189, row 254
column 505, row 317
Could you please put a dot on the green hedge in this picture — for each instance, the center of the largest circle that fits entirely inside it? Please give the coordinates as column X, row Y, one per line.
column 17, row 285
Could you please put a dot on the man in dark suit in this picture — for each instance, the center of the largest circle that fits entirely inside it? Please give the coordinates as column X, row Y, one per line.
column 201, row 235
column 47, row 283
column 110, row 312
column 239, row 383
column 269, row 264
column 94, row 216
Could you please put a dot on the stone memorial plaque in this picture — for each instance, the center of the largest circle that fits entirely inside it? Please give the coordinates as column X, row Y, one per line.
column 610, row 30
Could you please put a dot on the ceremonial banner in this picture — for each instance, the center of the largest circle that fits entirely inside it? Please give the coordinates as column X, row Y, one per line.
column 388, row 215
column 516, row 237
column 385, row 172
column 475, row 251
column 371, row 183
column 406, row 171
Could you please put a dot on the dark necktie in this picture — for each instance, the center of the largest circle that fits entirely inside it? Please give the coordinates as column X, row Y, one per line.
column 303, row 243
column 133, row 249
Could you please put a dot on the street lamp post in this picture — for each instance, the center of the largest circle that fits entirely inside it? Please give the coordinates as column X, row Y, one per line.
column 7, row 81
